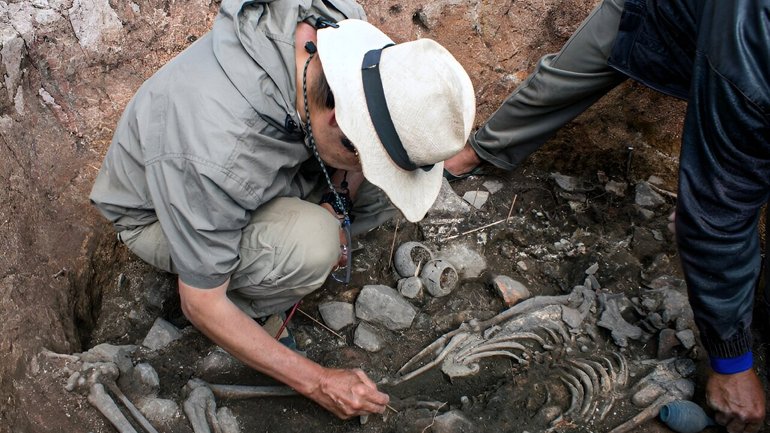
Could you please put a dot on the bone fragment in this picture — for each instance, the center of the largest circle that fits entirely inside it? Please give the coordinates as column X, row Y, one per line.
column 456, row 341
column 237, row 392
column 647, row 414
column 131, row 408
column 200, row 407
column 480, row 355
column 99, row 399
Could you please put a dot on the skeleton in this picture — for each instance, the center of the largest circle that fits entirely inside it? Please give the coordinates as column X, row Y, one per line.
column 95, row 379
column 546, row 328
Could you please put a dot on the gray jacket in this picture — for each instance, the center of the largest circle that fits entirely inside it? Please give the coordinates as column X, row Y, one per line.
column 212, row 136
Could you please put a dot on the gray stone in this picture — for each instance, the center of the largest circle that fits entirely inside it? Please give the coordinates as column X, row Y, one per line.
column 571, row 184
column 383, row 305
column 467, row 262
column 228, row 423
column 453, row 421
column 687, row 338
column 161, row 335
column 592, row 269
column 522, row 265
column 216, row 363
column 366, row 338
column 476, row 198
column 158, row 410
column 144, row 380
column 410, row 287
column 616, row 188
column 667, row 341
column 337, row 315
column 448, row 202
column 647, row 197
column 493, row 186
column 645, row 214
column 94, row 22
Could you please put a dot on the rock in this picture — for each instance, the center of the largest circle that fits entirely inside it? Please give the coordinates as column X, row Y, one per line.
column 476, row 198
column 592, row 269
column 644, row 214
column 94, row 22
column 511, row 290
column 216, row 363
column 383, row 305
column 366, row 338
column 492, row 186
column 158, row 410
column 667, row 341
column 228, row 423
column 144, row 380
column 453, row 421
column 522, row 265
column 448, row 202
column 467, row 261
column 439, row 277
column 647, row 197
column 687, row 338
column 571, row 184
column 337, row 315
column 616, row 188
column 161, row 335
column 409, row 257
column 410, row 287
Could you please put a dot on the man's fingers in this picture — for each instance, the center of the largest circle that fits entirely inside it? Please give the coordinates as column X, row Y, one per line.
column 364, row 378
column 722, row 419
column 753, row 428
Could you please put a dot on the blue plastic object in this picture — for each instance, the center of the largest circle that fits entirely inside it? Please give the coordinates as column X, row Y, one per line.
column 684, row 416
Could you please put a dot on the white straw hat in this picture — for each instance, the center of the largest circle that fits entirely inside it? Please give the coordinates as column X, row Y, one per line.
column 426, row 103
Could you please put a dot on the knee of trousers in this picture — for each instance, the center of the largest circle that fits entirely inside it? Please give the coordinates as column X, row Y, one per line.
column 312, row 247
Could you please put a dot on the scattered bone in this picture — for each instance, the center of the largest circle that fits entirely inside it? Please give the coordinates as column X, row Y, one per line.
column 159, row 410
column 612, row 319
column 200, row 408
column 439, row 277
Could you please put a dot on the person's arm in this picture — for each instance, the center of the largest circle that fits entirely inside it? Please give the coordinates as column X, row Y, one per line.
column 345, row 393
column 723, row 183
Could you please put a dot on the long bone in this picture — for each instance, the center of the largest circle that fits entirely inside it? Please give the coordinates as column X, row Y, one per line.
column 456, row 341
column 200, row 408
column 102, row 401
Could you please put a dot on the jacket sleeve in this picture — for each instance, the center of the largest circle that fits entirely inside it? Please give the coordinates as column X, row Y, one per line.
column 724, row 175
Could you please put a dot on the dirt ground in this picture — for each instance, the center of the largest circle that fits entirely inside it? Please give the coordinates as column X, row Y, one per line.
column 66, row 285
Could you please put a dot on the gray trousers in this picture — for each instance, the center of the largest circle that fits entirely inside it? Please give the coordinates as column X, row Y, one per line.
column 287, row 250
column 564, row 85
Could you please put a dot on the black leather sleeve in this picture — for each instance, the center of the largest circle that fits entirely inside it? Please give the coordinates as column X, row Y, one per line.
column 724, row 176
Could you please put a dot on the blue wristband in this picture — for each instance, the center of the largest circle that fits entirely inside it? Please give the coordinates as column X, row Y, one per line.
column 732, row 365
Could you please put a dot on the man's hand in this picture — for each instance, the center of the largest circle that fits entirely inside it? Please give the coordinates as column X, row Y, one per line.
column 738, row 400
column 349, row 393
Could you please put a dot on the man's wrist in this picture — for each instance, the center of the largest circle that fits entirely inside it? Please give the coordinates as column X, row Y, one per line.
column 732, row 365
